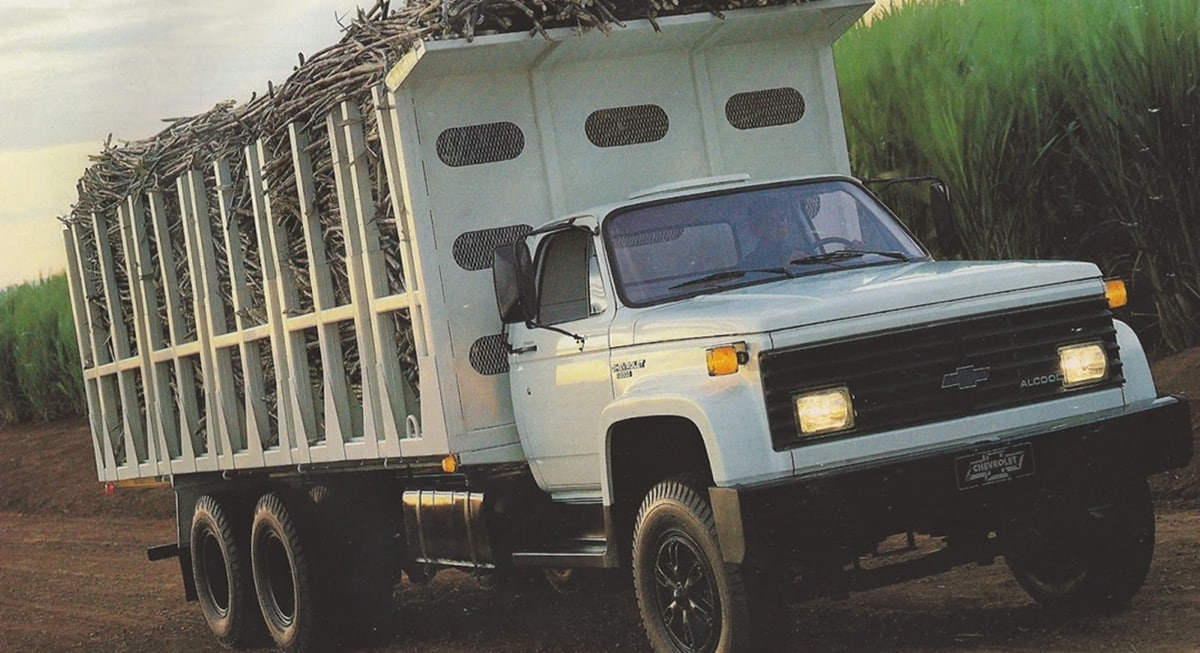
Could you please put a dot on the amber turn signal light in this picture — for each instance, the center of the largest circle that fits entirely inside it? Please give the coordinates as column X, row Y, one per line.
column 1114, row 290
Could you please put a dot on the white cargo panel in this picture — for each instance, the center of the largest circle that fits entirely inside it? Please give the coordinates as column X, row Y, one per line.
column 227, row 325
column 504, row 133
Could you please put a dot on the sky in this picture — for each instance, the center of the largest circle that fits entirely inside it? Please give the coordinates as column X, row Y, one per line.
column 74, row 71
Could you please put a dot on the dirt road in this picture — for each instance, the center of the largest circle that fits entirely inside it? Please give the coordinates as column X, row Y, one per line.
column 83, row 583
column 74, row 576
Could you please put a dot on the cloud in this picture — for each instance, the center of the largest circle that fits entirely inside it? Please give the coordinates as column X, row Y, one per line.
column 74, row 71
column 115, row 65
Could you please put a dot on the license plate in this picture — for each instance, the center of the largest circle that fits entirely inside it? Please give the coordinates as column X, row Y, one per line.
column 994, row 466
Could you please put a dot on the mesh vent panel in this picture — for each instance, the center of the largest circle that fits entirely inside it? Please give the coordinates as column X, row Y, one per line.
column 767, row 108
column 643, row 123
column 489, row 356
column 473, row 249
column 477, row 144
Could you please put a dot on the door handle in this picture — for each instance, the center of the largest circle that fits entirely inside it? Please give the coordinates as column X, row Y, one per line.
column 523, row 349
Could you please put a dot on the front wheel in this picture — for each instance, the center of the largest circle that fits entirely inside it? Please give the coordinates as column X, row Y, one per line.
column 1088, row 560
column 691, row 600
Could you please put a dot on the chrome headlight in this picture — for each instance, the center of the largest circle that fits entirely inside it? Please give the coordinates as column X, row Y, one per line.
column 828, row 410
column 1082, row 364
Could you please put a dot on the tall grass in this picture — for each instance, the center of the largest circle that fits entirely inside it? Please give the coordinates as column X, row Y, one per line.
column 39, row 361
column 1067, row 128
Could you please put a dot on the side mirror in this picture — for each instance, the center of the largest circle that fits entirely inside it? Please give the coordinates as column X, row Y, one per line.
column 512, row 279
column 943, row 217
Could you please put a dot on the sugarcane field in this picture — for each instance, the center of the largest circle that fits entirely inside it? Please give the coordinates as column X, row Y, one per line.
column 557, row 326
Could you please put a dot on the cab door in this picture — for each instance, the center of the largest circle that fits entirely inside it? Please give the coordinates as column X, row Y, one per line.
column 559, row 368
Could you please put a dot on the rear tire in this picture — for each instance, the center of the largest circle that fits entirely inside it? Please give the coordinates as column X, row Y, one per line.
column 1088, row 561
column 691, row 600
column 284, row 578
column 221, row 569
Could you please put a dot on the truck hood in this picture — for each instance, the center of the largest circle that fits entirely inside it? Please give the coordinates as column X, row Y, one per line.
column 815, row 299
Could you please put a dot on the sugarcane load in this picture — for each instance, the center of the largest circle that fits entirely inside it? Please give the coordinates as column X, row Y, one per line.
column 557, row 287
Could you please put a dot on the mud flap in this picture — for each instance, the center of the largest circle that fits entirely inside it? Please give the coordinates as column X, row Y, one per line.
column 164, row 551
column 727, row 512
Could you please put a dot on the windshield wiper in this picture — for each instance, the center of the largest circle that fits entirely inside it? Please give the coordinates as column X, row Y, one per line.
column 725, row 275
column 842, row 254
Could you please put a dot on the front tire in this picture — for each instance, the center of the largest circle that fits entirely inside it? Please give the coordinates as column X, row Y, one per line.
column 691, row 600
column 221, row 569
column 1088, row 561
column 284, row 578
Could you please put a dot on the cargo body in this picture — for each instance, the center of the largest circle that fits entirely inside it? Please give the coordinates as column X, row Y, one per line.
column 301, row 336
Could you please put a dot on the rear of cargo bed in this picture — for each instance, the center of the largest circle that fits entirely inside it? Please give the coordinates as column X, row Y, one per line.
column 228, row 325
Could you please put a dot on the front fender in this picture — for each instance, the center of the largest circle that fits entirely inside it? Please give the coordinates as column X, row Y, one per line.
column 727, row 411
column 1139, row 384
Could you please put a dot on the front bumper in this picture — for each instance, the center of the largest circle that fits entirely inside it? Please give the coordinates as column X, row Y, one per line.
column 844, row 512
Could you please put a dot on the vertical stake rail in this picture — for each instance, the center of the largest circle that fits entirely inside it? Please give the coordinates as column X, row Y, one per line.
column 83, row 327
column 228, row 429
column 117, row 333
column 185, row 379
column 242, row 301
column 257, row 423
column 296, row 412
column 100, row 353
column 120, row 409
column 389, row 126
column 362, row 241
column 166, row 257
column 160, row 407
column 337, row 411
column 139, row 286
column 314, row 244
column 194, row 207
column 100, row 418
column 224, row 423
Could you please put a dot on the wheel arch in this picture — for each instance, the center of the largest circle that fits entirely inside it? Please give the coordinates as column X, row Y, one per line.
column 640, row 452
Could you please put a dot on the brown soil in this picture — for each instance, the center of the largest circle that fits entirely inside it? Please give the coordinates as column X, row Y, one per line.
column 74, row 576
column 1180, row 374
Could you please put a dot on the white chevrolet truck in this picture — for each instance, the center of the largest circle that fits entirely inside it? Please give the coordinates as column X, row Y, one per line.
column 645, row 319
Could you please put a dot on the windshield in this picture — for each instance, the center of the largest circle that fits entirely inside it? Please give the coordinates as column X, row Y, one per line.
column 689, row 246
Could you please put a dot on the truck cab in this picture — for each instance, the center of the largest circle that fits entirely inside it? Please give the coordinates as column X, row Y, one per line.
column 820, row 383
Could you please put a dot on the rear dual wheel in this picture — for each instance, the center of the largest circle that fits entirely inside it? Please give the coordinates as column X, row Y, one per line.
column 284, row 577
column 221, row 570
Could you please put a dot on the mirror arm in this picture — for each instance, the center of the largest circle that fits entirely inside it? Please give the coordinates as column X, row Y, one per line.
column 534, row 324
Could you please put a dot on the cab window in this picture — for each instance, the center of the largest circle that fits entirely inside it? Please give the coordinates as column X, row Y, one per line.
column 569, row 283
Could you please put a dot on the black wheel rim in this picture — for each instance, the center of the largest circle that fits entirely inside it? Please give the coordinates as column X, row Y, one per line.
column 281, row 589
column 212, row 570
column 1058, row 555
column 688, row 604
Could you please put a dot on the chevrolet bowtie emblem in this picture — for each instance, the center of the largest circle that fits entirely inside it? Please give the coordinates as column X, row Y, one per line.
column 965, row 377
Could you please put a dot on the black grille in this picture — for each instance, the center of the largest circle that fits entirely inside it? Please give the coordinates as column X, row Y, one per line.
column 934, row 372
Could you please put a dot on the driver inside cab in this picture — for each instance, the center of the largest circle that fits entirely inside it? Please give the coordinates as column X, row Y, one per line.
column 779, row 238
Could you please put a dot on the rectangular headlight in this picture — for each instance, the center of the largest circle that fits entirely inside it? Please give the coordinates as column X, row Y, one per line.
column 824, row 411
column 1082, row 364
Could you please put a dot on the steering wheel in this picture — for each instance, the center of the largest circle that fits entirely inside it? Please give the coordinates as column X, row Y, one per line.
column 818, row 246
